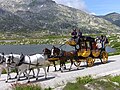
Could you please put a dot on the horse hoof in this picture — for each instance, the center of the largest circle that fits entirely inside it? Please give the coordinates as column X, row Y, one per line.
column 18, row 80
column 6, row 81
column 36, row 78
column 9, row 78
column 61, row 71
column 69, row 69
column 33, row 76
column 28, row 82
column 65, row 68
column 15, row 76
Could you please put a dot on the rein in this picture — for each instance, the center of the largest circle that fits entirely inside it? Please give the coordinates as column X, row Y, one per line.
column 61, row 45
column 32, row 64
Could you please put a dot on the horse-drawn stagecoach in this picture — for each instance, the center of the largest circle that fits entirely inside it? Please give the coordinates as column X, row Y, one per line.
column 86, row 49
column 89, row 50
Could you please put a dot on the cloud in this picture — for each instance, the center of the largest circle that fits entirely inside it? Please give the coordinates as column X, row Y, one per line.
column 92, row 13
column 78, row 4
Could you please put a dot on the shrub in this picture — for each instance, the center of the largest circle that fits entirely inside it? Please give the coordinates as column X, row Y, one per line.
column 84, row 80
column 25, row 87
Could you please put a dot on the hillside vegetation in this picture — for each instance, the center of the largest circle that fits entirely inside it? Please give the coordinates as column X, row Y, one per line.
column 38, row 15
column 44, row 38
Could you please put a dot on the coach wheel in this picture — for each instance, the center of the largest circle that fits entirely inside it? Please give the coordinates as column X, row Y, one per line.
column 104, row 57
column 90, row 62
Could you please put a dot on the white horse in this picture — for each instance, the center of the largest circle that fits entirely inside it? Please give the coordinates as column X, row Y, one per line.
column 3, row 65
column 12, row 61
column 9, row 66
column 27, row 62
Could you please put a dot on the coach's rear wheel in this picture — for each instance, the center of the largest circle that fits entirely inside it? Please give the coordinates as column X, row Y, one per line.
column 90, row 62
column 104, row 57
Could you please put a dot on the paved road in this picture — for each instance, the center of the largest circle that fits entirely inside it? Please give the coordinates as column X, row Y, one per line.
column 57, row 79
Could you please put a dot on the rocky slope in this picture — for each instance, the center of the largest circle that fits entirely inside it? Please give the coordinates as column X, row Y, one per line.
column 34, row 15
column 113, row 18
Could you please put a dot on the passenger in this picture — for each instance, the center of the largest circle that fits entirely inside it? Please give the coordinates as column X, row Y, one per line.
column 103, row 40
column 106, row 40
column 79, row 34
column 74, row 34
column 97, row 38
column 79, row 38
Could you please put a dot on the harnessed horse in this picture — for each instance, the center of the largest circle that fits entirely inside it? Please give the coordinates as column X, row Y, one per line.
column 26, row 63
column 3, row 65
column 48, row 53
column 63, row 56
column 9, row 62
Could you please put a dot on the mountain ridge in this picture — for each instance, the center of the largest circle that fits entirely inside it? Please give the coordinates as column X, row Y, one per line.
column 48, row 15
column 113, row 18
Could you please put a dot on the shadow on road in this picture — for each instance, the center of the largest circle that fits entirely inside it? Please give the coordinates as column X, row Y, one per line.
column 42, row 79
column 98, row 63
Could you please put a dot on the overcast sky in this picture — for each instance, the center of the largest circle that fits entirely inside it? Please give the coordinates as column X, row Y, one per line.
column 98, row 7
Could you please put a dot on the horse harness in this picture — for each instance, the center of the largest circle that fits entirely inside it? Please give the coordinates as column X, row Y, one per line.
column 22, row 61
column 2, row 58
column 11, row 58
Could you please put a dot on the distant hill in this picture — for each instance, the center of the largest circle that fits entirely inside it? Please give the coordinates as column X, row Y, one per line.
column 9, row 21
column 32, row 15
column 113, row 18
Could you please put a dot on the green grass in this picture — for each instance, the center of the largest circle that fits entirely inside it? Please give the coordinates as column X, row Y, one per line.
column 48, row 88
column 97, row 84
column 25, row 87
column 79, row 85
column 114, row 42
column 84, row 80
column 88, row 83
column 74, row 86
column 115, row 79
column 107, row 83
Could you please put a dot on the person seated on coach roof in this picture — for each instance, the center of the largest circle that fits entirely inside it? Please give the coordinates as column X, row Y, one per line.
column 79, row 38
column 79, row 34
column 74, row 34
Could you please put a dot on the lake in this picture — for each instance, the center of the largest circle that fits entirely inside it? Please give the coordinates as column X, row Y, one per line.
column 31, row 49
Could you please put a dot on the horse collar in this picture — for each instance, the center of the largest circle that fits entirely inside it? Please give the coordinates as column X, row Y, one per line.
column 2, row 59
column 21, row 60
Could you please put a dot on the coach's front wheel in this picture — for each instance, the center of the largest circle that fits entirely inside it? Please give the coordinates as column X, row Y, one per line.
column 90, row 61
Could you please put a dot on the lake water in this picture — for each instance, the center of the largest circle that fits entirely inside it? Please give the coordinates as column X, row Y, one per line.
column 31, row 49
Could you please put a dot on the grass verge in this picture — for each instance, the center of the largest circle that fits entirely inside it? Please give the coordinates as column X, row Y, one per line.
column 88, row 83
column 27, row 87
